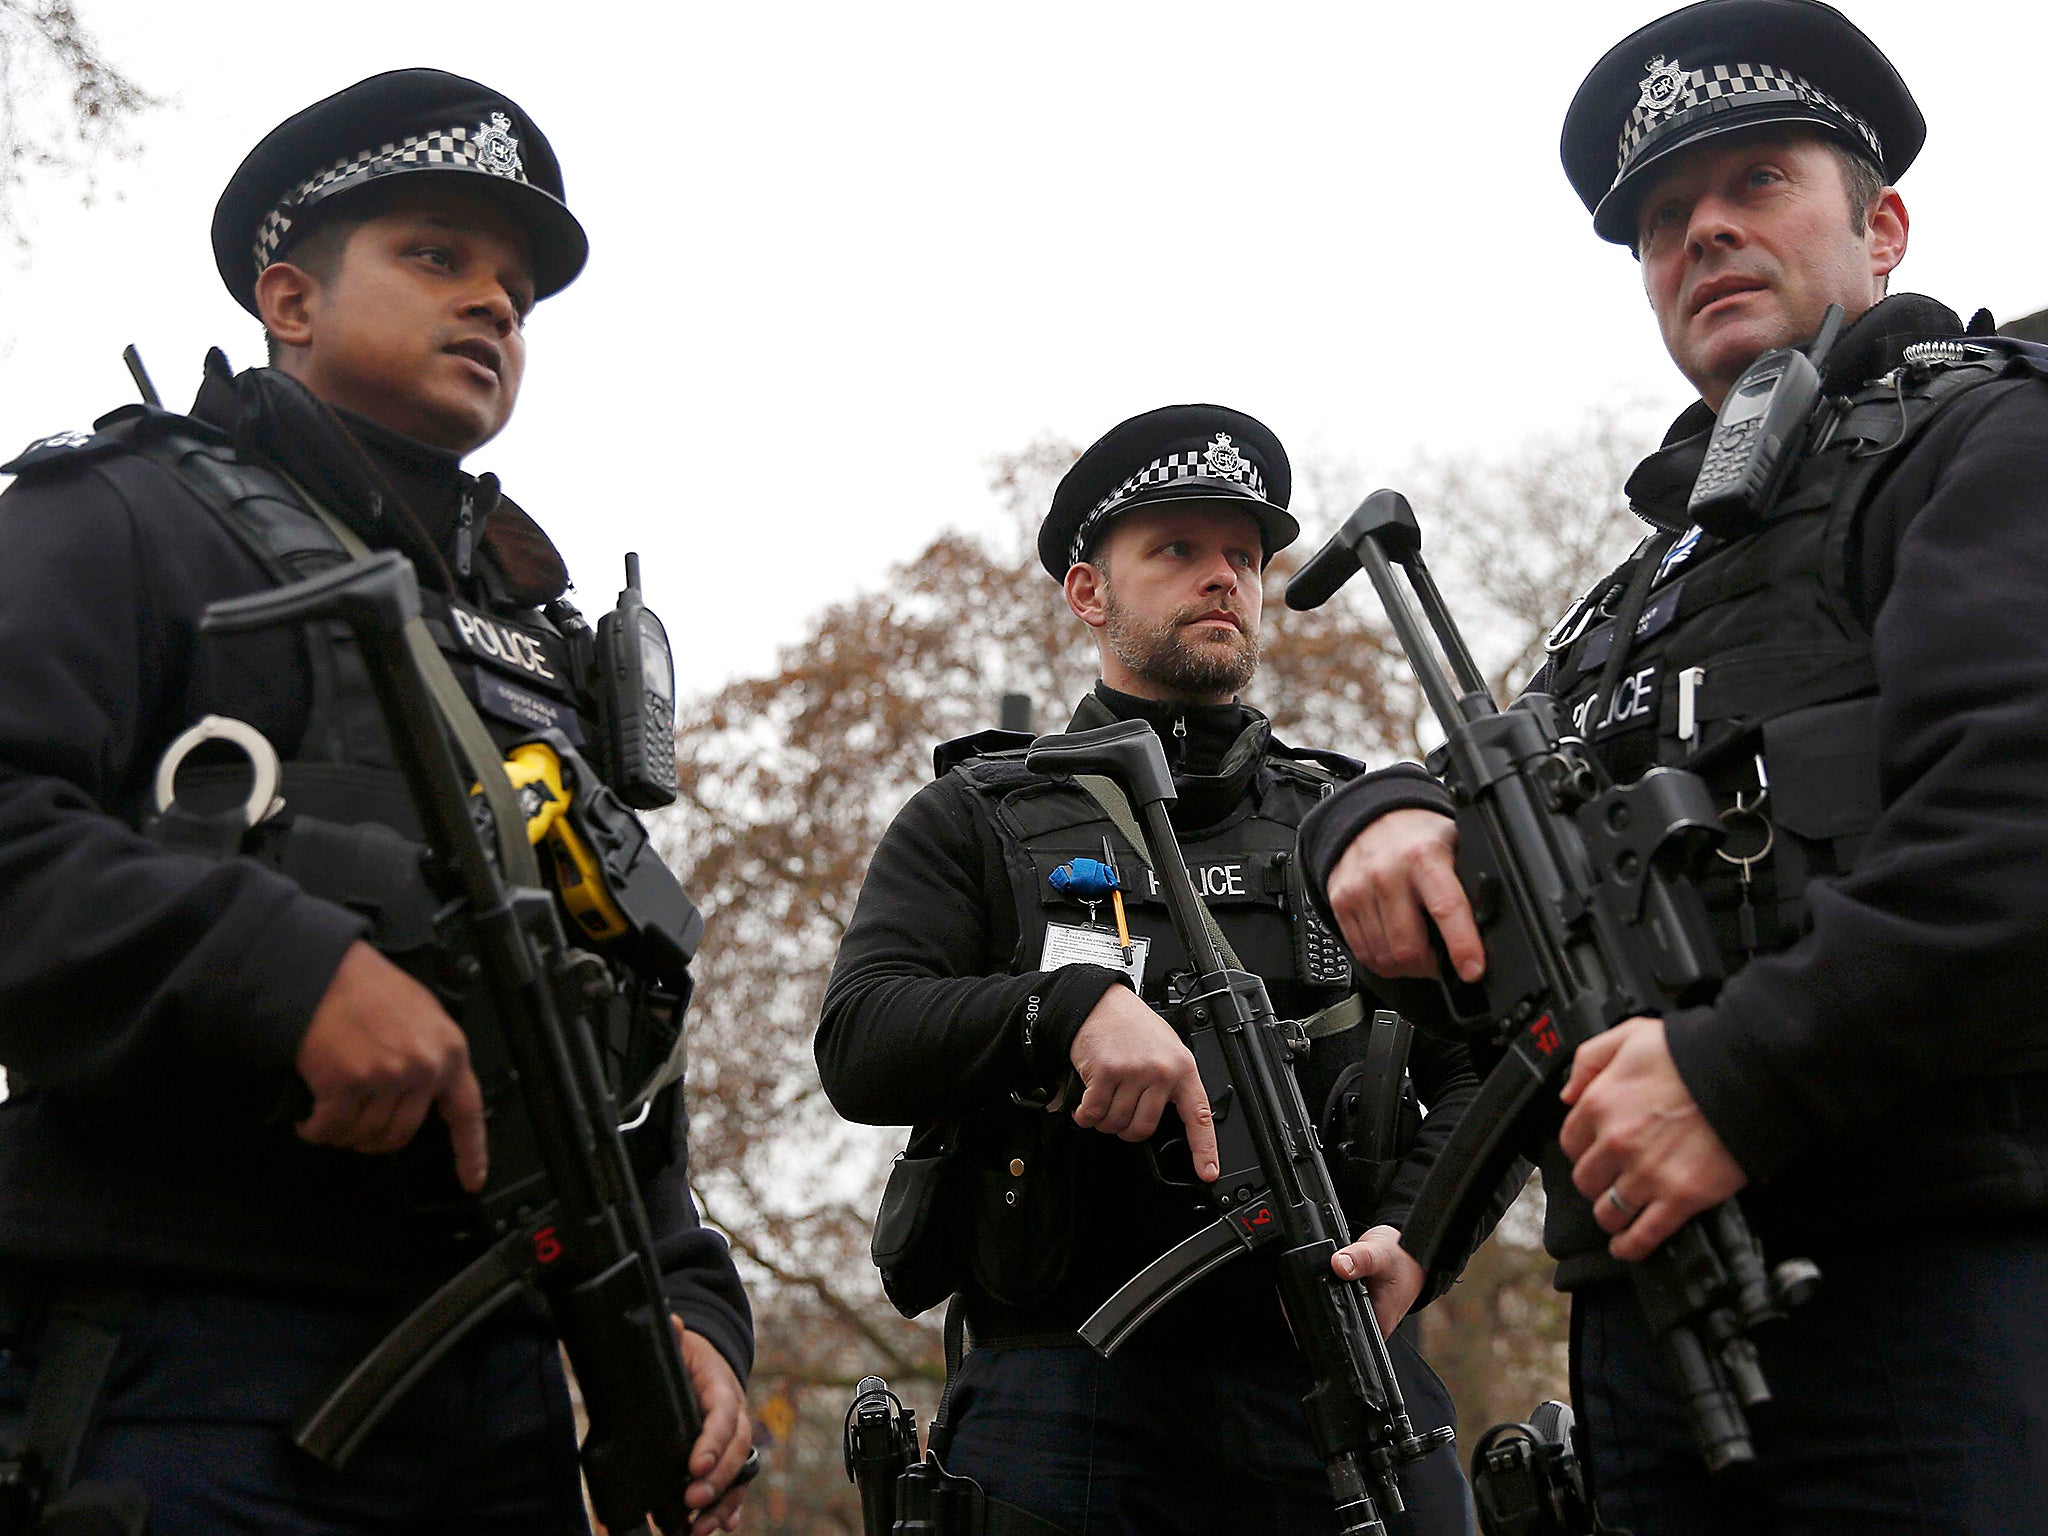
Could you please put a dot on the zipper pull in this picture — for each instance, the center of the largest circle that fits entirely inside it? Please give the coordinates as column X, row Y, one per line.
column 1180, row 741
column 465, row 535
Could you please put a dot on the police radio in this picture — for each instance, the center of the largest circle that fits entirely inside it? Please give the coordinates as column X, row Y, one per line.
column 1759, row 433
column 636, row 688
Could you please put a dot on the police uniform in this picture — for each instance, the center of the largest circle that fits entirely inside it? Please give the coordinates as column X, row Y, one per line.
column 962, row 980
column 159, row 974
column 1861, row 675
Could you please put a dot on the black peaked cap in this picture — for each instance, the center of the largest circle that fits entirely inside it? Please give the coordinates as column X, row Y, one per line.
column 407, row 122
column 1723, row 65
column 1177, row 453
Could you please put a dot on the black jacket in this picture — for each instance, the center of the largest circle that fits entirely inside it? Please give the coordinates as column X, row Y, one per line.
column 152, row 1003
column 1892, row 1062
column 925, row 1019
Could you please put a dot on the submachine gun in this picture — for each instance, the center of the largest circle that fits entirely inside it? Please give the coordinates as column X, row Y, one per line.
column 1583, row 894
column 1273, row 1189
column 563, row 1210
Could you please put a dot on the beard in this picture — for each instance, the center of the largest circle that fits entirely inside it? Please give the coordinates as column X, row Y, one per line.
column 1169, row 654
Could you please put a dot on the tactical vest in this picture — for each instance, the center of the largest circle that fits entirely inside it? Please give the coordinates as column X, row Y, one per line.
column 348, row 832
column 1751, row 665
column 1055, row 1217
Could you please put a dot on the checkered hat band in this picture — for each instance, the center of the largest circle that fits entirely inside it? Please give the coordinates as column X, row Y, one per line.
column 1722, row 87
column 461, row 147
column 1197, row 464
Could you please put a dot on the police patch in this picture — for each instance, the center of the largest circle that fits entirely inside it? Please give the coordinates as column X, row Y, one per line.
column 1633, row 706
column 504, row 646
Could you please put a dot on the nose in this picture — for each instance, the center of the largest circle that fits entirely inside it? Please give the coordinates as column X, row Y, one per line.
column 1713, row 225
column 1220, row 574
column 491, row 302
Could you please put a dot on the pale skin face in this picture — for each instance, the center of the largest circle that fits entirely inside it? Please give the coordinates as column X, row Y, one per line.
column 1744, row 244
column 1185, row 577
column 421, row 327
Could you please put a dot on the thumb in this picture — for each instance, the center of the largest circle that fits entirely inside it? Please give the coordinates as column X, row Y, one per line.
column 1588, row 1062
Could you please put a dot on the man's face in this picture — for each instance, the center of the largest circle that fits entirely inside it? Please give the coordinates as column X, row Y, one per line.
column 420, row 328
column 1174, row 594
column 1744, row 244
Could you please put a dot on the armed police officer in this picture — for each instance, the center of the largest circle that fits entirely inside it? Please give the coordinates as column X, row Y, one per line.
column 216, row 1044
column 1858, row 665
column 972, row 985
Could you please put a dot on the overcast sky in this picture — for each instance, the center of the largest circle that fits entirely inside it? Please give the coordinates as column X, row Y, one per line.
column 843, row 255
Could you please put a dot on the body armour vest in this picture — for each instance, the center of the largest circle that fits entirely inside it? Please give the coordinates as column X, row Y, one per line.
column 1057, row 1216
column 1751, row 665
column 348, row 831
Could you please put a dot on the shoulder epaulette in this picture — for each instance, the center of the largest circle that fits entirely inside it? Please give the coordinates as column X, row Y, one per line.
column 948, row 755
column 113, row 431
column 1336, row 764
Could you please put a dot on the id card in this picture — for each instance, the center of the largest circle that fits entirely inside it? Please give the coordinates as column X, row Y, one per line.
column 1066, row 944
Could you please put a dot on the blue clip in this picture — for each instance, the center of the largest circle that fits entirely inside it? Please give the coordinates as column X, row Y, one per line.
column 1086, row 880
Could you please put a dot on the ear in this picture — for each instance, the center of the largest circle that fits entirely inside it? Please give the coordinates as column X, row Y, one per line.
column 285, row 298
column 1888, row 228
column 1087, row 593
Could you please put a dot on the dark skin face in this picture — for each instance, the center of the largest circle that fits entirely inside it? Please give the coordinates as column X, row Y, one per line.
column 421, row 326
column 1746, row 240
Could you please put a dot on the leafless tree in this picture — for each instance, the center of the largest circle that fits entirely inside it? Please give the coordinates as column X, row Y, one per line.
column 64, row 105
column 788, row 782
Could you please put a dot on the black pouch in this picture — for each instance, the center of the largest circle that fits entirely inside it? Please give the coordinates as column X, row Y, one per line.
column 1018, row 1197
column 912, row 1245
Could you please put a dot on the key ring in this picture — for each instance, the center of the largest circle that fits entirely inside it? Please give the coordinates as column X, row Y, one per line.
column 263, row 800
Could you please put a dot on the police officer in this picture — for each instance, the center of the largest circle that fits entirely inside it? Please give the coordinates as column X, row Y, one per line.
column 969, row 989
column 158, row 1002
column 1859, row 668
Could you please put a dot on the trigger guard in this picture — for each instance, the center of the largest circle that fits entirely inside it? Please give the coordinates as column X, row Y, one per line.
column 263, row 800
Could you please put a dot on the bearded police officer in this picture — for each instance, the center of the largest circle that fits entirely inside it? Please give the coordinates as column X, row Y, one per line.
column 969, row 988
column 1858, row 665
column 159, row 1000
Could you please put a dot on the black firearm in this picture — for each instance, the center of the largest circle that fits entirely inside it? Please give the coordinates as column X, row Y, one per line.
column 1273, row 1189
column 1583, row 894
column 563, row 1209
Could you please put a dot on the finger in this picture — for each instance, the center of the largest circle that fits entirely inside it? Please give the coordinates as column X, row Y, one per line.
column 1401, row 943
column 375, row 1121
column 1200, row 1122
column 1095, row 1102
column 1658, row 1220
column 333, row 1121
column 1116, row 1120
column 1594, row 1172
column 1436, row 885
column 722, row 1516
column 462, row 1105
column 408, row 1113
column 1145, row 1117
column 1356, row 1261
column 1589, row 1061
column 1615, row 1218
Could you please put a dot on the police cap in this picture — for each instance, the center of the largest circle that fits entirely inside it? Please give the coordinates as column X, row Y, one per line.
column 1723, row 65
column 1178, row 453
column 417, row 123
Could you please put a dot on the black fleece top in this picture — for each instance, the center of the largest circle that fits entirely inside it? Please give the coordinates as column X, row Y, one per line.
column 1891, row 1061
column 152, row 1003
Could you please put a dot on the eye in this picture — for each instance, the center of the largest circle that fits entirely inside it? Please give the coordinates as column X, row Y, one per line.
column 1243, row 559
column 1763, row 175
column 1178, row 548
column 439, row 255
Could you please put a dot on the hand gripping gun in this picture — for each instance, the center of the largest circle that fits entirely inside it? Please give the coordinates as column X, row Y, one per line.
column 572, row 1225
column 1273, row 1189
column 1583, row 896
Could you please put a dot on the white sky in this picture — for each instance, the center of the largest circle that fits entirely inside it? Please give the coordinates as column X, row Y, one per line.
column 845, row 254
